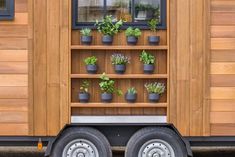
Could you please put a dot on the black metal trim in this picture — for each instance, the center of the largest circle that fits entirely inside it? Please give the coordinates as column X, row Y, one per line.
column 9, row 12
column 141, row 25
column 24, row 140
column 210, row 141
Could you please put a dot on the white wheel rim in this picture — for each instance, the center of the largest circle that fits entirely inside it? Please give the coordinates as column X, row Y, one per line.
column 80, row 148
column 156, row 148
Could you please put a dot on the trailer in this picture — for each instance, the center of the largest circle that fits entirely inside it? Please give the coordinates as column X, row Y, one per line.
column 64, row 63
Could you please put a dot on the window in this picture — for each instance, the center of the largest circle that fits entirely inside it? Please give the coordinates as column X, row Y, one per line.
column 134, row 12
column 7, row 9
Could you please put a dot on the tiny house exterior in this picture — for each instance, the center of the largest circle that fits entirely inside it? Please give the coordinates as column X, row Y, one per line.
column 42, row 65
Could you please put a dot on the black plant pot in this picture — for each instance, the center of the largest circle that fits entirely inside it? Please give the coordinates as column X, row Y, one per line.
column 120, row 69
column 92, row 69
column 86, row 40
column 131, row 97
column 107, row 40
column 148, row 68
column 106, row 97
column 84, row 97
column 132, row 40
column 154, row 97
column 154, row 40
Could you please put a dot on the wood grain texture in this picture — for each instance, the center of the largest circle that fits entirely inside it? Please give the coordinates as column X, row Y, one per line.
column 14, row 129
column 222, row 5
column 222, row 92
column 13, row 80
column 13, row 55
column 223, row 80
column 223, row 31
column 222, row 130
column 14, row 73
column 223, row 68
column 223, row 18
column 222, row 117
column 222, row 56
column 222, row 43
column 222, row 105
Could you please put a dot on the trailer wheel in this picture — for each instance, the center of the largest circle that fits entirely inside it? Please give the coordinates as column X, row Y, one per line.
column 155, row 142
column 82, row 142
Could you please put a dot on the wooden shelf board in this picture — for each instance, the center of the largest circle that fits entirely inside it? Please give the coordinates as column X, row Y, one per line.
column 114, row 47
column 121, row 76
column 119, row 105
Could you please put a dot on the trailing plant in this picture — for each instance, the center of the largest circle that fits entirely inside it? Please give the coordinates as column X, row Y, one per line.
column 107, row 85
column 157, row 88
column 153, row 24
column 86, row 32
column 132, row 90
column 108, row 27
column 119, row 59
column 90, row 60
column 133, row 32
column 84, row 87
column 147, row 58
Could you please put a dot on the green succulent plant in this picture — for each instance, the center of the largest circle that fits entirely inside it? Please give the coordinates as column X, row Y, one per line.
column 147, row 58
column 84, row 87
column 132, row 90
column 90, row 60
column 133, row 32
column 108, row 27
column 119, row 59
column 108, row 86
column 156, row 87
column 153, row 24
column 86, row 32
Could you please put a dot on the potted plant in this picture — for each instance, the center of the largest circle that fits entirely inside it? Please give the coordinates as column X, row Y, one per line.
column 153, row 39
column 119, row 61
column 107, row 88
column 148, row 60
column 84, row 95
column 155, row 90
column 132, row 35
column 108, row 28
column 131, row 95
column 86, row 37
column 91, row 66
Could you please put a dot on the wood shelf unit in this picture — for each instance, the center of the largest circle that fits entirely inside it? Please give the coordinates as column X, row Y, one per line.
column 118, row 105
column 113, row 47
column 121, row 76
column 133, row 76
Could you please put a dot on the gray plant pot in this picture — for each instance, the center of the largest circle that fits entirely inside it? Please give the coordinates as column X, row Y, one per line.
column 86, row 40
column 154, row 40
column 130, row 97
column 132, row 40
column 153, row 97
column 92, row 69
column 107, row 40
column 148, row 68
column 120, row 69
column 106, row 97
column 84, row 97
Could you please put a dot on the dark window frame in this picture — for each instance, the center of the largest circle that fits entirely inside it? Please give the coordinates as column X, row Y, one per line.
column 141, row 25
column 9, row 12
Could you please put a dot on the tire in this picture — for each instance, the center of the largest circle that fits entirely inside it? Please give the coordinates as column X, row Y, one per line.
column 83, row 141
column 150, row 141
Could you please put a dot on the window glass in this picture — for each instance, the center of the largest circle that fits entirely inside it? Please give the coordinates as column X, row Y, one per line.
column 120, row 9
column 147, row 9
column 90, row 10
column 2, row 4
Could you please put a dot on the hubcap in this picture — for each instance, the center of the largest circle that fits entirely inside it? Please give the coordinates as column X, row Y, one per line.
column 156, row 148
column 80, row 148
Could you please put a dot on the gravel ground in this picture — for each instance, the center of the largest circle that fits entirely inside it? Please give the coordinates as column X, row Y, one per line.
column 198, row 152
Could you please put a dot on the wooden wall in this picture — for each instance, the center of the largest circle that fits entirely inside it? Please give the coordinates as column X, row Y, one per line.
column 189, row 107
column 49, row 73
column 14, row 52
column 222, row 67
